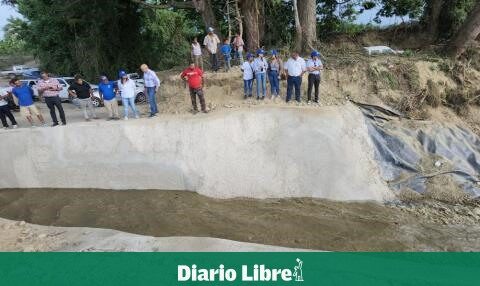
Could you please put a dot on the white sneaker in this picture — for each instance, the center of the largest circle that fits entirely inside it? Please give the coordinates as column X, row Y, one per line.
column 125, row 118
column 15, row 126
column 137, row 116
column 6, row 128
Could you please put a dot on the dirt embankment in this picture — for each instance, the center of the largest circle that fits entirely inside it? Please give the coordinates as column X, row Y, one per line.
column 422, row 85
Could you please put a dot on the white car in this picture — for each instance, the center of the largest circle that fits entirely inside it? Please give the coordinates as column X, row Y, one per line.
column 140, row 96
column 67, row 81
column 136, row 78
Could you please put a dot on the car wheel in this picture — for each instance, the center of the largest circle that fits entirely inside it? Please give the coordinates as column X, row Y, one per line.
column 141, row 98
column 96, row 102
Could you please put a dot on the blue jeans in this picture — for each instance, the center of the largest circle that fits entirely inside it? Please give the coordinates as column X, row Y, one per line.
column 129, row 102
column 294, row 81
column 274, row 83
column 227, row 60
column 261, row 84
column 152, row 99
column 239, row 56
column 248, row 87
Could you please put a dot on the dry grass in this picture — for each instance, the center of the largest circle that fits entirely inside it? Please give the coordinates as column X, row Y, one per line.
column 458, row 99
column 434, row 96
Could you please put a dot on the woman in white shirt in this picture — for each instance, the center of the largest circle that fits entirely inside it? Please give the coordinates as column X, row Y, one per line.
column 248, row 74
column 127, row 88
column 197, row 53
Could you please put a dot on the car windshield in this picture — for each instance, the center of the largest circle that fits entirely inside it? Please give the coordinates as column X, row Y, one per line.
column 134, row 76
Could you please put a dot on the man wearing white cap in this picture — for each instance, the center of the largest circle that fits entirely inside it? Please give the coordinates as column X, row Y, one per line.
column 211, row 42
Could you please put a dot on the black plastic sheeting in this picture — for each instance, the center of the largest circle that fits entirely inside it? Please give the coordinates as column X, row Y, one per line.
column 411, row 152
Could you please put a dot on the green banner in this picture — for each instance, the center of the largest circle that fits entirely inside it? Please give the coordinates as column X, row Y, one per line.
column 240, row 269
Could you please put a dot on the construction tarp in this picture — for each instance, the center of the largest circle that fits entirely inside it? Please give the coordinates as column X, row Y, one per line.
column 410, row 151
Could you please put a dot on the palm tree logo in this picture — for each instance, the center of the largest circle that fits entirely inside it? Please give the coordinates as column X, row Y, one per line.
column 298, row 272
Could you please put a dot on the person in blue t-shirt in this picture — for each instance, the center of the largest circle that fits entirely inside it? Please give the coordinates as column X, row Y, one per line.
column 106, row 89
column 24, row 94
column 226, row 50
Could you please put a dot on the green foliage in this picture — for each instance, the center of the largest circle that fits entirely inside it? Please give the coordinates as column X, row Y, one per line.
column 167, row 35
column 411, row 8
column 71, row 37
column 13, row 43
column 454, row 13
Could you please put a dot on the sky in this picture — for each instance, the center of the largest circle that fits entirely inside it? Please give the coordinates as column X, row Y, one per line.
column 367, row 17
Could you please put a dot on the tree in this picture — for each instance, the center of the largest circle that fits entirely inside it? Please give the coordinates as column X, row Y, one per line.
column 467, row 33
column 432, row 12
column 13, row 43
column 89, row 39
column 250, row 12
column 298, row 27
column 307, row 12
column 203, row 7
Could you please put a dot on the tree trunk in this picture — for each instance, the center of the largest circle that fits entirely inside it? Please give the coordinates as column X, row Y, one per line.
column 432, row 19
column 298, row 28
column 261, row 21
column 250, row 14
column 238, row 17
column 307, row 13
column 204, row 7
column 467, row 34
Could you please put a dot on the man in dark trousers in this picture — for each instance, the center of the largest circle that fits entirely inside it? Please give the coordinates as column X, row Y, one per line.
column 49, row 88
column 5, row 110
column 194, row 76
column 314, row 67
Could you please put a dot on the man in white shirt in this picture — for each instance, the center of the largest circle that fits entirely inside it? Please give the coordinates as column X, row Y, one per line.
column 295, row 68
column 247, row 69
column 314, row 66
column 260, row 66
column 211, row 42
column 5, row 109
column 152, row 85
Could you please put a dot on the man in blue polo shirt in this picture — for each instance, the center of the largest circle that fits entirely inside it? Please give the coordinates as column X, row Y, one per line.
column 106, row 88
column 24, row 94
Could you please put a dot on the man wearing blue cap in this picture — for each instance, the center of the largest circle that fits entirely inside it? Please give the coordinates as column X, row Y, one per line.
column 314, row 66
column 211, row 42
column 248, row 75
column 260, row 66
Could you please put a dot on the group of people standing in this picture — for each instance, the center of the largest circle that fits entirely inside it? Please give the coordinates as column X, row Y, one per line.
column 260, row 69
column 81, row 94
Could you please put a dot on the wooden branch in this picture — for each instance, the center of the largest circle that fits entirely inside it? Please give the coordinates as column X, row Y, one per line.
column 172, row 4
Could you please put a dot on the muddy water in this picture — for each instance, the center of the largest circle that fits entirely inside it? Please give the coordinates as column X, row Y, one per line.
column 301, row 223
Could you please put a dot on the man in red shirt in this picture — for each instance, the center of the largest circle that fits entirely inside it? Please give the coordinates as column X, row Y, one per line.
column 194, row 76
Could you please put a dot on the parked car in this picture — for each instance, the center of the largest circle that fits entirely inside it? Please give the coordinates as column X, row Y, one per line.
column 18, row 71
column 31, row 74
column 67, row 81
column 139, row 91
column 136, row 78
